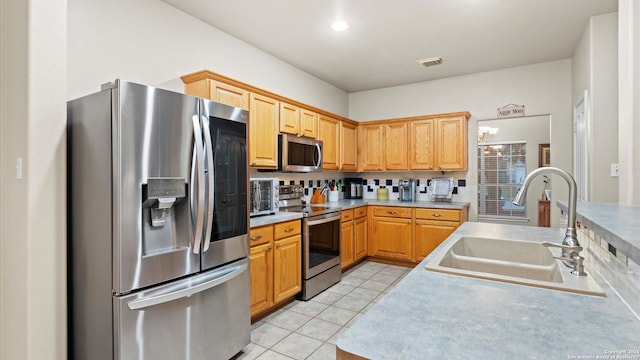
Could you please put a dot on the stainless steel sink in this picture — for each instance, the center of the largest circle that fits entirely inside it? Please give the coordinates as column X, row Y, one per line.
column 513, row 261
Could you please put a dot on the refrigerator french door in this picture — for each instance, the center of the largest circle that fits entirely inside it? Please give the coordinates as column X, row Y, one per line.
column 158, row 225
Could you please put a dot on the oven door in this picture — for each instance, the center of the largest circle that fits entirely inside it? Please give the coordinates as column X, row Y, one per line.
column 321, row 244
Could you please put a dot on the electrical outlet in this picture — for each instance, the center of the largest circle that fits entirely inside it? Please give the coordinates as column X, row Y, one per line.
column 615, row 170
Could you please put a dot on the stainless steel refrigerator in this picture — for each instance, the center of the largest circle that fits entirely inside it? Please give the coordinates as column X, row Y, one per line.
column 158, row 223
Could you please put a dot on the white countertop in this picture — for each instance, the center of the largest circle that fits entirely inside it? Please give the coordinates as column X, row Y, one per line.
column 431, row 315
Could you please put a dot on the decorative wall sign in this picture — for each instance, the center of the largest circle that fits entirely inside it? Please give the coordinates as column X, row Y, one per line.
column 511, row 110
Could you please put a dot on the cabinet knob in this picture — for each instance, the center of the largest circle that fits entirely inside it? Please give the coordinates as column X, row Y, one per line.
column 277, row 246
column 256, row 237
column 288, row 230
column 270, row 247
column 392, row 212
column 430, row 167
column 253, row 163
column 436, row 215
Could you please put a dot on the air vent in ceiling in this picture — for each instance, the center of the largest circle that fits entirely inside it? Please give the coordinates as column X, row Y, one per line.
column 430, row 61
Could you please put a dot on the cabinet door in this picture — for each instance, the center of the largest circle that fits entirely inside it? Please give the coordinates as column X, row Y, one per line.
column 230, row 95
column 421, row 145
column 371, row 140
column 308, row 123
column 287, row 272
column 391, row 238
column 347, row 244
column 348, row 146
column 330, row 136
column 452, row 143
column 263, row 132
column 430, row 234
column 396, row 146
column 360, row 238
column 261, row 268
column 289, row 119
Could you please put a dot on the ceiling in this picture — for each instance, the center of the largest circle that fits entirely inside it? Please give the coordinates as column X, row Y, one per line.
column 386, row 38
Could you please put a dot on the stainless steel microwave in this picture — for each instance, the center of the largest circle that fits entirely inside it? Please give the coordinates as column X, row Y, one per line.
column 299, row 154
column 265, row 193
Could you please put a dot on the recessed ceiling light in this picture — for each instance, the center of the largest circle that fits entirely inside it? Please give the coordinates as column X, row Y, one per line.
column 430, row 61
column 340, row 25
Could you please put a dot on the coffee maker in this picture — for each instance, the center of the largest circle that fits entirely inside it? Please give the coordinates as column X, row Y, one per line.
column 353, row 188
column 407, row 189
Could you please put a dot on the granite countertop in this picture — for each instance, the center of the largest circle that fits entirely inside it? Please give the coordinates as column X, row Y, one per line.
column 616, row 223
column 354, row 203
column 431, row 315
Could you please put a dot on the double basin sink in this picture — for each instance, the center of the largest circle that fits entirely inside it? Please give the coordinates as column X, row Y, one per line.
column 512, row 261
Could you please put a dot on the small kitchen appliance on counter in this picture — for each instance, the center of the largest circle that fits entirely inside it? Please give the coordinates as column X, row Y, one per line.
column 264, row 196
column 407, row 189
column 354, row 188
column 441, row 189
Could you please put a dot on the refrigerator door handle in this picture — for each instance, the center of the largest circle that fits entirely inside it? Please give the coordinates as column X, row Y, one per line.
column 210, row 182
column 199, row 161
column 216, row 278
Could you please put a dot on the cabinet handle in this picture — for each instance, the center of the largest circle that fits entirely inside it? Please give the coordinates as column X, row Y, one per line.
column 392, row 212
column 288, row 230
column 256, row 237
column 436, row 215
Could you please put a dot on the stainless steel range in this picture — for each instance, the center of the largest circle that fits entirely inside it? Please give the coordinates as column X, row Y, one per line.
column 320, row 241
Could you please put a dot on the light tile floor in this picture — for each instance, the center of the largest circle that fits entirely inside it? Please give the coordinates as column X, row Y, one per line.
column 309, row 329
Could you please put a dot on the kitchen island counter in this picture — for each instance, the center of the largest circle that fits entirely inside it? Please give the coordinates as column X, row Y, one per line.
column 431, row 315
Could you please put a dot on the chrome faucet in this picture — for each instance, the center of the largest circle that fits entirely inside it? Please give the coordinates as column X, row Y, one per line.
column 570, row 236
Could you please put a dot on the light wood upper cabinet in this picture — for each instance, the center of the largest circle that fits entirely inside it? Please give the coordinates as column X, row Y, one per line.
column 263, row 131
column 371, row 147
column 348, row 146
column 451, row 143
column 421, row 145
column 289, row 119
column 308, row 123
column 396, row 146
column 219, row 92
column 329, row 134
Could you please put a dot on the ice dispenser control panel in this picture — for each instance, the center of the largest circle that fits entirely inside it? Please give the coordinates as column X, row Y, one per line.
column 160, row 195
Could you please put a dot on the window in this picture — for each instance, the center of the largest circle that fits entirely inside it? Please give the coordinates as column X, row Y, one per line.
column 501, row 171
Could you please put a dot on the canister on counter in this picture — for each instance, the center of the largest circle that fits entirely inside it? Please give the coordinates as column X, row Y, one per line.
column 383, row 193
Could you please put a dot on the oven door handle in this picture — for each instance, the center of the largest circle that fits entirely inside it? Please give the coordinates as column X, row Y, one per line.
column 323, row 221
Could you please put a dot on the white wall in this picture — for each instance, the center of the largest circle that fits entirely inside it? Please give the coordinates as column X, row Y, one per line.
column 150, row 42
column 595, row 69
column 33, row 207
column 543, row 88
column 629, row 101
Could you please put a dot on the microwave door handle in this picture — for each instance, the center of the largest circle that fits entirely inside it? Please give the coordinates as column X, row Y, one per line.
column 319, row 149
column 210, row 182
column 198, row 178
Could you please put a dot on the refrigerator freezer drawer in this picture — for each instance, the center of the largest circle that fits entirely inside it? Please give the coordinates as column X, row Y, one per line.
column 201, row 317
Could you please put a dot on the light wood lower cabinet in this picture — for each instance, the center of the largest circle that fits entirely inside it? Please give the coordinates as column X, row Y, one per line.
column 432, row 227
column 276, row 264
column 353, row 245
column 391, row 233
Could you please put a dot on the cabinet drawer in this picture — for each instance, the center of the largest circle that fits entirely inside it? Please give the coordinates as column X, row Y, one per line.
column 346, row 215
column 391, row 211
column 286, row 229
column 360, row 212
column 438, row 214
column 260, row 235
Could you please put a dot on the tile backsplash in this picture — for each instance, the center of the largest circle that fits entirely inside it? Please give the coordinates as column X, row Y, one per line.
column 622, row 273
column 372, row 181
